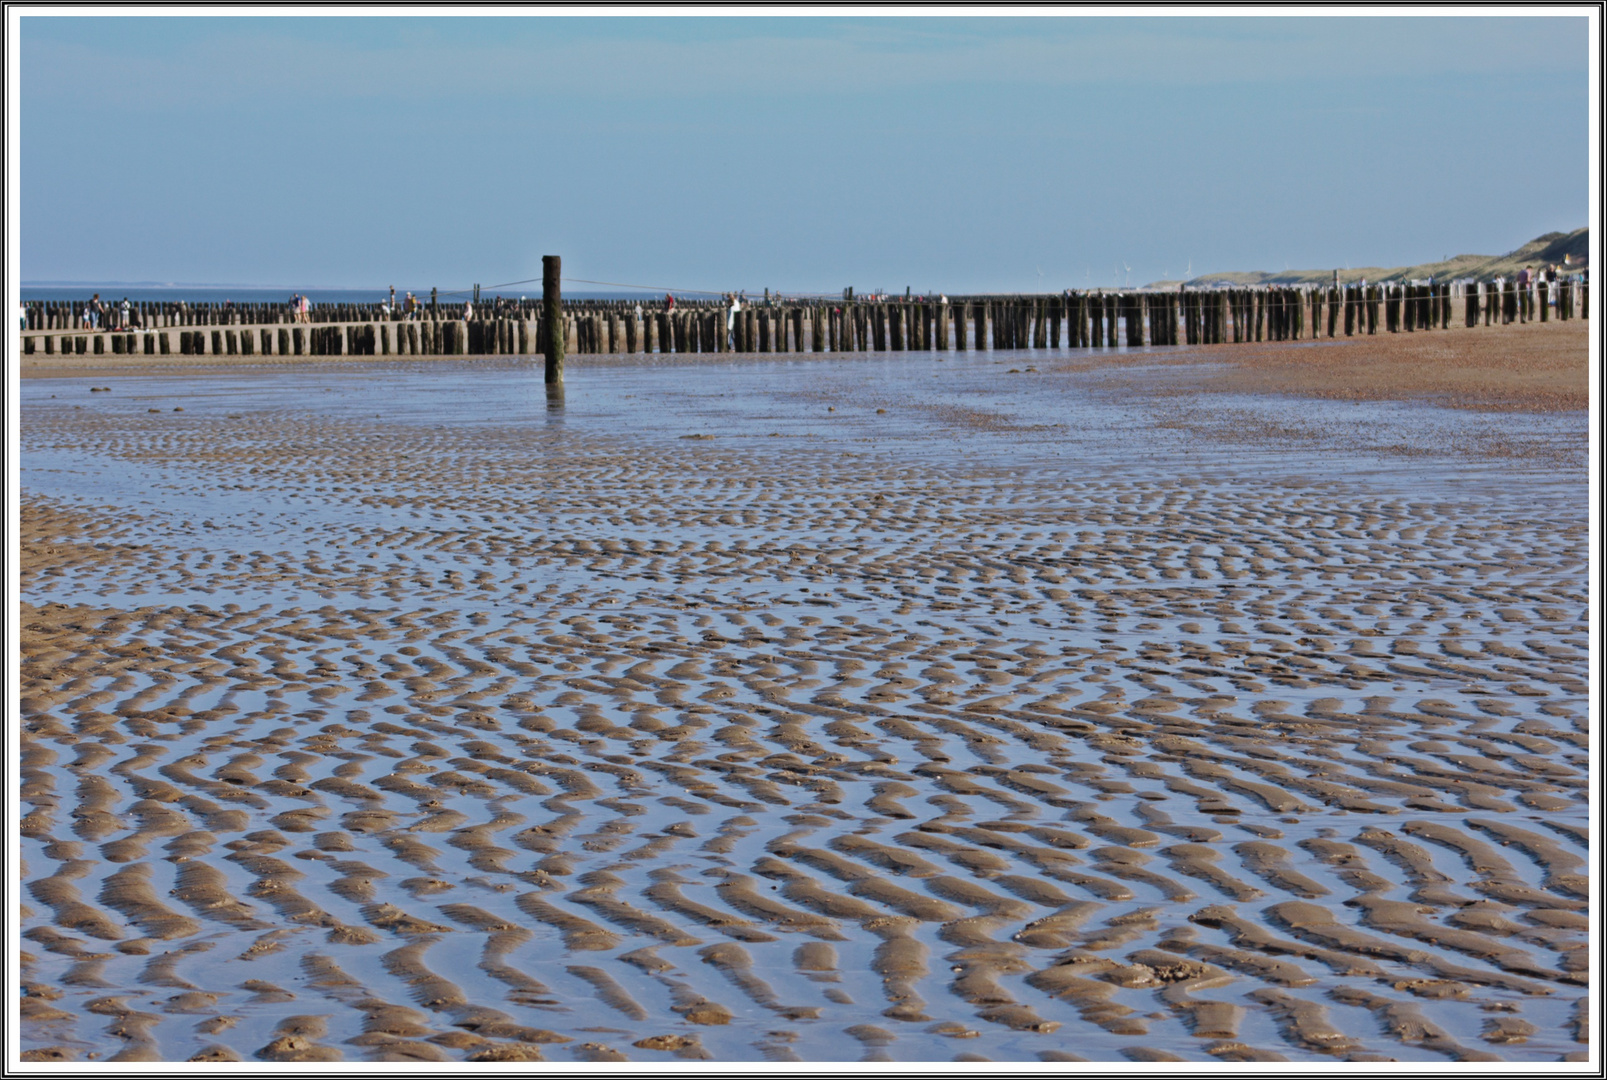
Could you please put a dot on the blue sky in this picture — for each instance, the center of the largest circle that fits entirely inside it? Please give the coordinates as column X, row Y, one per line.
column 964, row 154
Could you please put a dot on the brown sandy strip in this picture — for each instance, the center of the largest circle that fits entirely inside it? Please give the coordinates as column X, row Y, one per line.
column 598, row 894
column 694, row 1006
column 129, row 1024
column 1497, row 877
column 1248, row 935
column 296, row 1039
column 58, row 893
column 1269, row 862
column 736, row 964
column 1305, row 1022
column 609, row 992
column 666, row 892
column 1415, row 861
column 902, row 962
column 1053, row 862
column 1077, row 980
column 1179, row 979
column 578, row 933
column 1559, row 865
column 1129, row 864
column 978, row 967
column 1266, row 968
column 1348, row 862
column 1198, row 861
column 129, row 892
column 1404, row 919
column 1404, row 1020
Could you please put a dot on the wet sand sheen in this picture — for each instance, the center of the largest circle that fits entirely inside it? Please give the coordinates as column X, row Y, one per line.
column 945, row 734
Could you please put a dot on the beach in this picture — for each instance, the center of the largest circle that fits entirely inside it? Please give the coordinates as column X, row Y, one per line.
column 1218, row 703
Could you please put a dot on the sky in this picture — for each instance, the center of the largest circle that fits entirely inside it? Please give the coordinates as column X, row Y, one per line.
column 806, row 154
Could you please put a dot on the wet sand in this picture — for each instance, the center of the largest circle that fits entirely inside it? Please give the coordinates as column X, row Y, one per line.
column 906, row 707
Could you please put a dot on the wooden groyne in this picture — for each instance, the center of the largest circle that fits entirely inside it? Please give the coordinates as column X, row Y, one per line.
column 1077, row 320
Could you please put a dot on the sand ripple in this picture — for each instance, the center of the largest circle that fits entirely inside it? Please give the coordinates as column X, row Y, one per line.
column 382, row 741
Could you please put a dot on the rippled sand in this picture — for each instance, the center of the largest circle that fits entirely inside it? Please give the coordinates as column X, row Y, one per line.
column 889, row 708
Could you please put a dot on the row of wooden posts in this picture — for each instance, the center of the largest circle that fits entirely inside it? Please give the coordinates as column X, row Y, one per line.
column 65, row 315
column 1070, row 320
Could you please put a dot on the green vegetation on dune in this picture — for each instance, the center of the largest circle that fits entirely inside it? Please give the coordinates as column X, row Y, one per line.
column 1550, row 248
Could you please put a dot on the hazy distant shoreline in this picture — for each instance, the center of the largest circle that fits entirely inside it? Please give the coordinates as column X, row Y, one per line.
column 1554, row 247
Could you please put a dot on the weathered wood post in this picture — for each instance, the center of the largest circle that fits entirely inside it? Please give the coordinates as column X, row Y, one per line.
column 552, row 320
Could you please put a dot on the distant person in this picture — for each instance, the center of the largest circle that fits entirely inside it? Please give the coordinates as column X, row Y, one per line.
column 669, row 302
column 393, row 296
column 468, row 311
column 126, row 309
column 1524, row 278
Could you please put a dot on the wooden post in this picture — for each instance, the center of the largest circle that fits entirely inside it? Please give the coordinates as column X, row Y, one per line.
column 552, row 311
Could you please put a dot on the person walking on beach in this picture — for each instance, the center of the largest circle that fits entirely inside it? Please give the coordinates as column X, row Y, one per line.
column 731, row 319
column 669, row 302
column 468, row 311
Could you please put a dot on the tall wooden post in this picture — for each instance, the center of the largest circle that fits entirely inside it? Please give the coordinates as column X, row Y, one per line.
column 552, row 321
